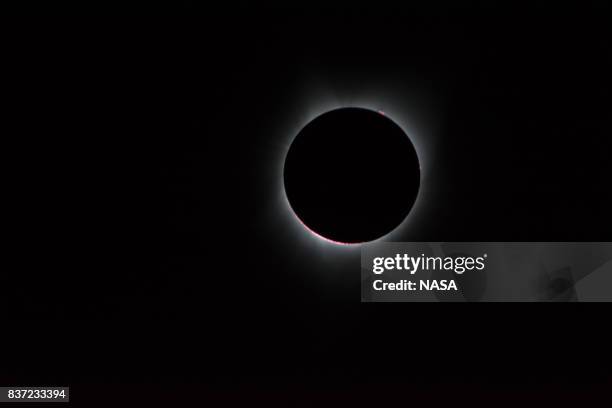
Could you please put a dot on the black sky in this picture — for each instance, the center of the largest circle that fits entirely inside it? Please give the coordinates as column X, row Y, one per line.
column 149, row 146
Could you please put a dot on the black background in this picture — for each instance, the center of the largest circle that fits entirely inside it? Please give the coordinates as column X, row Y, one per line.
column 142, row 153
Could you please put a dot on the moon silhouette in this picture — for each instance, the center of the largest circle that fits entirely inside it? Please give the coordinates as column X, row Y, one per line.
column 351, row 175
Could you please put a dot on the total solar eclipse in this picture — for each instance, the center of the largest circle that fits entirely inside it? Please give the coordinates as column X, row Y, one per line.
column 351, row 175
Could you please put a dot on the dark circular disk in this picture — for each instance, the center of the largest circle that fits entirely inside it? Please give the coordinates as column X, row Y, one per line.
column 351, row 175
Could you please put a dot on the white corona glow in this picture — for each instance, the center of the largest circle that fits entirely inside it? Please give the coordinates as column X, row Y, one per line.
column 387, row 111
column 411, row 105
column 321, row 236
